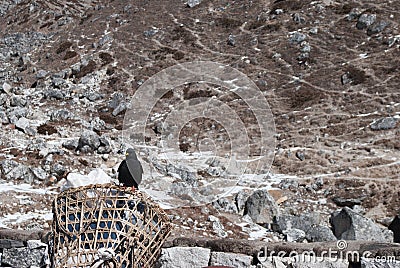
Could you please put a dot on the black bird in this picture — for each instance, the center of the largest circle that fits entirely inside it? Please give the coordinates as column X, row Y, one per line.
column 130, row 170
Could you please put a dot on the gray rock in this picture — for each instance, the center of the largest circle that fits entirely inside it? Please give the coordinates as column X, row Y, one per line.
column 240, row 200
column 24, row 125
column 365, row 20
column 13, row 170
column 320, row 233
column 150, row 33
column 395, row 228
column 54, row 94
column 294, row 235
column 117, row 98
column 346, row 79
column 300, row 155
column 217, row 226
column 97, row 124
column 178, row 257
column 40, row 173
column 193, row 3
column 231, row 259
column 41, row 74
column 377, row 27
column 231, row 40
column 298, row 18
column 6, row 88
column 310, row 224
column 225, row 204
column 24, row 257
column 354, row 14
column 297, row 38
column 105, row 146
column 375, row 263
column 349, row 225
column 187, row 176
column 261, row 207
column 58, row 170
column 15, row 113
column 18, row 101
column 70, row 144
column 105, row 39
column 61, row 115
column 384, row 123
column 3, row 118
column 93, row 96
column 89, row 138
column 122, row 106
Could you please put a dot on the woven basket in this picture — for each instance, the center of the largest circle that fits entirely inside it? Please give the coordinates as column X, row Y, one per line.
column 106, row 226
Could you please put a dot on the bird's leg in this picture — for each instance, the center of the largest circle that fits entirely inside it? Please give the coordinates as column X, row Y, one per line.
column 133, row 189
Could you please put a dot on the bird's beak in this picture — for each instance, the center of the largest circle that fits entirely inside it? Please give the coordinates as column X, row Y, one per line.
column 126, row 154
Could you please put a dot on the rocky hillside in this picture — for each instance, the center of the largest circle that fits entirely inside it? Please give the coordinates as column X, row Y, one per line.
column 329, row 70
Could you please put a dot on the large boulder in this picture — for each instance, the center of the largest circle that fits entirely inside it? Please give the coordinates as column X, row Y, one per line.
column 178, row 257
column 349, row 225
column 309, row 223
column 261, row 207
column 230, row 259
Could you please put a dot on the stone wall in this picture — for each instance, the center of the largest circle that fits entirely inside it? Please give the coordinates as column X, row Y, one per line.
column 21, row 249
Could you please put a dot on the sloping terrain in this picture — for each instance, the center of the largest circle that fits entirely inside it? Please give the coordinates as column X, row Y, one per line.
column 329, row 70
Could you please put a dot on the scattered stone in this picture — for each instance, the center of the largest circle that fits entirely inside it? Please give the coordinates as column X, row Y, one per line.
column 13, row 170
column 70, row 144
column 297, row 38
column 230, row 259
column 395, row 228
column 193, row 3
column 349, row 225
column 178, row 257
column 384, row 123
column 122, row 106
column 365, row 20
column 320, row 233
column 97, row 124
column 225, row 204
column 231, row 40
column 217, row 226
column 105, row 146
column 240, row 200
column 377, row 27
column 24, row 125
column 298, row 18
column 24, row 257
column 150, row 33
column 354, row 14
column 40, row 173
column 93, row 96
column 58, row 170
column 54, row 94
column 15, row 113
column 89, row 138
column 7, row 88
column 18, row 101
column 261, row 207
column 3, row 118
column 41, row 74
column 300, row 155
column 294, row 235
column 305, row 47
column 61, row 115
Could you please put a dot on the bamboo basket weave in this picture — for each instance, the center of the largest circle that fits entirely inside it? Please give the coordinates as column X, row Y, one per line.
column 106, row 226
